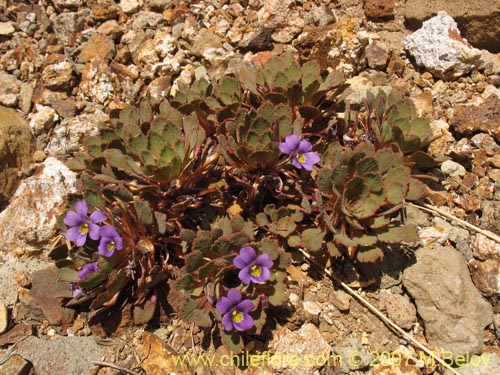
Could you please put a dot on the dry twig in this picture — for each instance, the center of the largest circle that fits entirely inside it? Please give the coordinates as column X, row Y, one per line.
column 430, row 208
column 116, row 367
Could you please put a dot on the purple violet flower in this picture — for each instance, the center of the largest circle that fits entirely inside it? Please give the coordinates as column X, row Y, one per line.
column 77, row 291
column 299, row 151
column 235, row 312
column 81, row 225
column 110, row 241
column 253, row 268
column 87, row 270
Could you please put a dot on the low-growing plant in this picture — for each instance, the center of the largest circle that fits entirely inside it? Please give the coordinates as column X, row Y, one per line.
column 223, row 260
column 196, row 201
column 360, row 190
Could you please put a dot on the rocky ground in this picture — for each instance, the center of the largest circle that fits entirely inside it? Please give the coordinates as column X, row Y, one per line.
column 65, row 64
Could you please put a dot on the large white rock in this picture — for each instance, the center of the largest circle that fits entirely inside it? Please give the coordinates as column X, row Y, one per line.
column 439, row 47
column 68, row 135
column 29, row 223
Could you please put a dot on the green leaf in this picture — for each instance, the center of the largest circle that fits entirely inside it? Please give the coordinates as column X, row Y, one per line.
column 67, row 274
column 294, row 241
column 167, row 157
column 367, row 165
column 324, row 180
column 104, row 178
column 422, row 159
column 385, row 160
column 137, row 144
column 369, row 254
column 396, row 193
column 333, row 250
column 247, row 76
column 334, row 79
column 156, row 144
column 188, row 310
column 232, row 341
column 202, row 318
column 161, row 222
column 118, row 160
column 94, row 200
column 259, row 319
column 269, row 246
column 278, row 296
column 373, row 182
column 398, row 175
column 76, row 164
column 344, row 240
column 310, row 72
column 339, row 175
column 312, row 239
column 206, row 270
column 379, row 222
column 283, row 227
column 194, row 261
column 363, row 239
column 416, row 190
column 406, row 233
column 119, row 192
column 187, row 235
column 143, row 210
column 94, row 279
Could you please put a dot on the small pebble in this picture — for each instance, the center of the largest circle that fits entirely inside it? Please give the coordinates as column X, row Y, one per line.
column 4, row 318
column 51, row 332
column 453, row 169
column 312, row 310
column 6, row 29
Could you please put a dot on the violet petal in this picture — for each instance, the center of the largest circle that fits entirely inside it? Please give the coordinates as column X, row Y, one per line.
column 263, row 260
column 224, row 305
column 311, row 159
column 98, row 216
column 245, row 306
column 234, row 295
column 80, row 240
column 244, row 275
column 103, row 247
column 118, row 242
column 292, row 141
column 72, row 219
column 227, row 322
column 296, row 163
column 94, row 231
column 108, row 231
column 304, row 146
column 81, row 208
column 284, row 148
column 72, row 233
column 245, row 257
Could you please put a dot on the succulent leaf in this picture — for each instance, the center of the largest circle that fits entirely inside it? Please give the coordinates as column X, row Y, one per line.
column 406, row 233
column 312, row 239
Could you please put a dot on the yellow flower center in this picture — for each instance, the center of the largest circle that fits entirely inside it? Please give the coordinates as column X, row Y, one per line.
column 111, row 245
column 237, row 316
column 301, row 158
column 256, row 271
column 84, row 229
